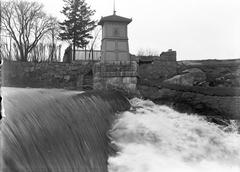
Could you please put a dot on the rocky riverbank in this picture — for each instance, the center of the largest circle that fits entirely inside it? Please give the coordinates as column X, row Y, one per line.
column 210, row 87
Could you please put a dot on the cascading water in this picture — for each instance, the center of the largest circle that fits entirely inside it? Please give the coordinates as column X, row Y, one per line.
column 154, row 138
column 57, row 131
column 67, row 131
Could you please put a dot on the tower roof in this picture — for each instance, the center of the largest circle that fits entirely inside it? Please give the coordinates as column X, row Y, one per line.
column 114, row 18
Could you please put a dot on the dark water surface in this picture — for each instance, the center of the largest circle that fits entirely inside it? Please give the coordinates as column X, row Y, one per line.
column 57, row 131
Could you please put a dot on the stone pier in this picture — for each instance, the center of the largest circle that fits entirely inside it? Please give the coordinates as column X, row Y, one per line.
column 115, row 69
column 115, row 75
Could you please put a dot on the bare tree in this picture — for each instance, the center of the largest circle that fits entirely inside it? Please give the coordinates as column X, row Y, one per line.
column 94, row 43
column 26, row 23
column 0, row 31
column 148, row 52
column 55, row 31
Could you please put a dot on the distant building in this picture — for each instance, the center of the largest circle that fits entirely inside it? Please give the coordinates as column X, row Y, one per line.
column 88, row 55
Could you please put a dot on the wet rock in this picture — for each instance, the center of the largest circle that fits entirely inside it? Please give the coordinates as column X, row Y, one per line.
column 227, row 107
column 190, row 77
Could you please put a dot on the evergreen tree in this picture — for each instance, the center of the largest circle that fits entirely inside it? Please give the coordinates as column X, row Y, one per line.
column 78, row 25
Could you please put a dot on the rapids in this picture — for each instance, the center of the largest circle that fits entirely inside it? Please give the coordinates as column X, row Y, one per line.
column 154, row 138
column 47, row 130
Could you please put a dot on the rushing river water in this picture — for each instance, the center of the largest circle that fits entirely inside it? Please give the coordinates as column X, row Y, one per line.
column 65, row 131
column 154, row 138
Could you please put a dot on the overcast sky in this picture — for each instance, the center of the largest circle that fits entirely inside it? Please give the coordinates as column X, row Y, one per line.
column 196, row 29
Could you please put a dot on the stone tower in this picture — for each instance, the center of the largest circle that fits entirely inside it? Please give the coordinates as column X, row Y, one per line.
column 115, row 69
column 114, row 38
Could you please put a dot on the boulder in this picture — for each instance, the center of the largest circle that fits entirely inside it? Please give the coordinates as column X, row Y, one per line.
column 190, row 77
column 224, row 106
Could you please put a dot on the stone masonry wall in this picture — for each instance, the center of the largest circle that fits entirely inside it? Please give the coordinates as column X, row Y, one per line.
column 122, row 76
column 156, row 69
column 47, row 75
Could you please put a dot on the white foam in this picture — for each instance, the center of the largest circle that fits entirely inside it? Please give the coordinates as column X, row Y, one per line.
column 155, row 138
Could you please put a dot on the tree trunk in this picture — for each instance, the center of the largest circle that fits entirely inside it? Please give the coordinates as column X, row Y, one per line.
column 59, row 53
column 53, row 46
column 74, row 51
column 74, row 46
column 10, row 52
column 85, row 53
column 25, row 56
column 92, row 54
column 22, row 56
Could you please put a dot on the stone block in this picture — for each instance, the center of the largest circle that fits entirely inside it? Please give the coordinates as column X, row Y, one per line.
column 67, row 77
column 133, row 80
column 131, row 87
column 126, row 80
column 31, row 69
column 58, row 76
column 79, row 82
column 26, row 69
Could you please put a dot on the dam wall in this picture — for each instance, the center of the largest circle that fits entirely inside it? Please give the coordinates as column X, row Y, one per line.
column 76, row 75
column 83, row 75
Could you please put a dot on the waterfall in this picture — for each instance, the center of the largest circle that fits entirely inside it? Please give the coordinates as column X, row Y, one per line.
column 47, row 130
column 154, row 138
